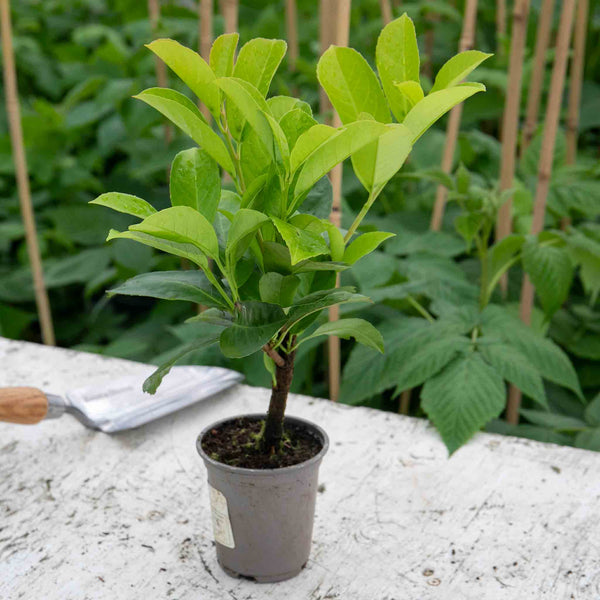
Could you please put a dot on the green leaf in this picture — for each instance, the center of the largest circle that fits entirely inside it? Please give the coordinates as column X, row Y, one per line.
column 423, row 115
column 503, row 252
column 125, row 203
column 249, row 108
column 278, row 289
column 317, row 301
column 516, row 368
column 457, row 68
column 351, row 85
column 183, row 250
column 378, row 162
column 196, row 182
column 364, row 244
column 589, row 439
column 334, row 150
column 427, row 361
column 182, row 224
column 245, row 224
column 185, row 114
column 153, row 382
column 541, row 353
column 302, row 243
column 551, row 272
column 254, row 324
column 397, row 58
column 294, row 123
column 592, row 411
column 359, row 329
column 191, row 68
column 281, row 105
column 308, row 142
column 257, row 62
column 462, row 398
column 411, row 91
column 222, row 54
column 553, row 420
column 190, row 286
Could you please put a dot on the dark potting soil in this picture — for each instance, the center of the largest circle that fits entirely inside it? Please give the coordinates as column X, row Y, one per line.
column 234, row 444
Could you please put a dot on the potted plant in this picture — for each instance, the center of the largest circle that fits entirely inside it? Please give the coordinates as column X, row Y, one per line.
column 267, row 255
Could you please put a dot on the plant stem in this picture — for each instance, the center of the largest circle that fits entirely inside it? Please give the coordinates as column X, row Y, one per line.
column 273, row 430
column 273, row 355
column 420, row 309
column 361, row 215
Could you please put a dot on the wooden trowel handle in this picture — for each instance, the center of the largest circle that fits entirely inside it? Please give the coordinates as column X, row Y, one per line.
column 25, row 405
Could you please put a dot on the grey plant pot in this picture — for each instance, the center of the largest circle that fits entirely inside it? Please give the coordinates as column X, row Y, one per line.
column 263, row 518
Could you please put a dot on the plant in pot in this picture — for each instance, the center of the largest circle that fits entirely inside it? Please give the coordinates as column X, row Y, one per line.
column 267, row 255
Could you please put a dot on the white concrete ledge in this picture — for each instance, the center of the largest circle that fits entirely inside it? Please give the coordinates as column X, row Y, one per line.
column 85, row 515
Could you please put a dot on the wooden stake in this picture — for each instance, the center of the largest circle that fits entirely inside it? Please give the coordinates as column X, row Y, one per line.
column 404, row 405
column 291, row 24
column 500, row 26
column 18, row 148
column 579, row 36
column 386, row 11
column 327, row 24
column 159, row 65
column 510, row 118
column 205, row 39
column 545, row 170
column 341, row 38
column 467, row 40
column 544, row 29
column 230, row 10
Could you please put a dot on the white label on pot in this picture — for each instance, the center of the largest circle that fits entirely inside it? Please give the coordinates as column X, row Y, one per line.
column 220, row 518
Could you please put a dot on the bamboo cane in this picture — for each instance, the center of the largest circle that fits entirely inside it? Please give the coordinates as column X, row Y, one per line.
column 510, row 118
column 386, row 11
column 544, row 29
column 16, row 137
column 205, row 39
column 557, row 83
column 159, row 65
column 230, row 11
column 341, row 38
column 500, row 26
column 467, row 40
column 327, row 24
column 404, row 404
column 291, row 23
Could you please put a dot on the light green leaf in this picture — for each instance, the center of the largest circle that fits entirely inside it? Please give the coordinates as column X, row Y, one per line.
column 281, row 105
column 411, row 91
column 308, row 142
column 125, row 203
column 190, row 286
column 182, row 224
column 196, row 182
column 542, row 353
column 359, row 329
column 351, row 85
column 364, row 244
column 302, row 243
column 245, row 224
column 183, row 250
column 153, row 382
column 457, row 68
column 222, row 54
column 551, row 272
column 185, row 114
column 294, row 123
column 516, row 368
column 278, row 289
column 249, row 108
column 397, row 58
column 423, row 115
column 462, row 398
column 191, row 68
column 333, row 151
column 254, row 324
column 258, row 60
column 378, row 162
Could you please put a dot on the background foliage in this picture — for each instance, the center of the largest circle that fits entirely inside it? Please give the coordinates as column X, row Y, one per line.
column 79, row 63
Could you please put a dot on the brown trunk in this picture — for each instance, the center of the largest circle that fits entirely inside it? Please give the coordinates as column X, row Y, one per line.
column 273, row 432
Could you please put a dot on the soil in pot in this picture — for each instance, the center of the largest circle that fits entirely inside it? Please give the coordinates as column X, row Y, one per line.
column 234, row 443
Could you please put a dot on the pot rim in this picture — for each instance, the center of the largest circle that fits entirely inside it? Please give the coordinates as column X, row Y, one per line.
column 289, row 418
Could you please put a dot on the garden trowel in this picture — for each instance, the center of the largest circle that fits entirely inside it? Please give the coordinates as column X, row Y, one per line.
column 120, row 403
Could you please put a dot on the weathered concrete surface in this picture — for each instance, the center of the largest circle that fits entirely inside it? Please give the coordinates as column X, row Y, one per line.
column 85, row 515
